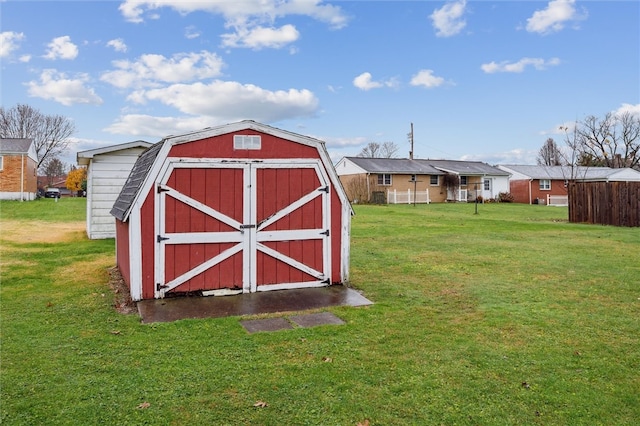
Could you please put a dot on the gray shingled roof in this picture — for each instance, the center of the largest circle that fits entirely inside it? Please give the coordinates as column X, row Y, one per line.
column 466, row 168
column 131, row 187
column 562, row 172
column 14, row 145
column 425, row 166
column 395, row 165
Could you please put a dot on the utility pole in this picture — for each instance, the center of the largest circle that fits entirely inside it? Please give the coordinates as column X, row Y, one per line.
column 410, row 135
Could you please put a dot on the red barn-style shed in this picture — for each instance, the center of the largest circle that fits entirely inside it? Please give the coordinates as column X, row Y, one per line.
column 239, row 208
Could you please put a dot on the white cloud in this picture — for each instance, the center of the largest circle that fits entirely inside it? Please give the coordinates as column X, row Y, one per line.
column 365, row 82
column 232, row 101
column 56, row 86
column 629, row 108
column 61, row 48
column 24, row 58
column 251, row 20
column 427, row 79
column 505, row 66
column 191, row 32
column 117, row 44
column 258, row 37
column 554, row 17
column 9, row 41
column 448, row 20
column 150, row 70
column 146, row 125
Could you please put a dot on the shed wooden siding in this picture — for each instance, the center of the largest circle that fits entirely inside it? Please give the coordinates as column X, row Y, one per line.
column 106, row 175
column 198, row 184
column 123, row 252
column 222, row 147
column 194, row 182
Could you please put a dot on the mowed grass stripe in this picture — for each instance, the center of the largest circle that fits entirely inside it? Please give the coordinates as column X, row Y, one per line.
column 510, row 316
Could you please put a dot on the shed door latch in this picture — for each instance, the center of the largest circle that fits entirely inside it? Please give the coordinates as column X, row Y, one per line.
column 247, row 226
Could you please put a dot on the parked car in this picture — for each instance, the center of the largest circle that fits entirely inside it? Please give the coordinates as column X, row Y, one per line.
column 52, row 193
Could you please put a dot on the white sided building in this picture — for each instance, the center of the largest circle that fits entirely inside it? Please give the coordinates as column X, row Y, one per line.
column 107, row 170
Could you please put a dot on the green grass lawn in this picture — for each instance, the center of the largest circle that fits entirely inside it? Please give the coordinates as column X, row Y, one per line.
column 510, row 316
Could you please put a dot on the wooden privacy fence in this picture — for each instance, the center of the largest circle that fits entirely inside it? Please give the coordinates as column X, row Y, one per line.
column 606, row 203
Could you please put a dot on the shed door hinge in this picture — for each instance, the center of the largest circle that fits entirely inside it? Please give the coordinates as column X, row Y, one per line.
column 160, row 286
column 161, row 238
column 327, row 281
column 325, row 233
column 325, row 189
column 162, row 189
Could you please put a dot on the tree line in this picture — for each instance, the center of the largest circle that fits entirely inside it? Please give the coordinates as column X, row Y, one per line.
column 51, row 135
column 610, row 141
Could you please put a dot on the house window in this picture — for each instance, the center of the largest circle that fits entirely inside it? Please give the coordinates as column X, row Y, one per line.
column 545, row 184
column 384, row 179
column 434, row 180
column 247, row 142
column 463, row 180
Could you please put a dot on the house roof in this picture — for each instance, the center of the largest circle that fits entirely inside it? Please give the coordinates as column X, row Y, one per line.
column 15, row 146
column 18, row 146
column 566, row 172
column 143, row 167
column 134, row 181
column 394, row 165
column 83, row 157
column 425, row 166
column 467, row 168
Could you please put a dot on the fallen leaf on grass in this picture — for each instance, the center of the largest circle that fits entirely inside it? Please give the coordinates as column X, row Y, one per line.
column 326, row 359
column 144, row 405
column 260, row 404
column 525, row 385
column 116, row 332
column 49, row 304
column 364, row 423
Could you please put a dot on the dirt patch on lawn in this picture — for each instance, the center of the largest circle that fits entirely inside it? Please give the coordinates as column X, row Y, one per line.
column 41, row 232
column 122, row 299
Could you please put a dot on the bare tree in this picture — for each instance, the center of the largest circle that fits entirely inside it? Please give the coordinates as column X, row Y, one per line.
column 549, row 154
column 613, row 141
column 50, row 133
column 53, row 168
column 389, row 150
column 377, row 150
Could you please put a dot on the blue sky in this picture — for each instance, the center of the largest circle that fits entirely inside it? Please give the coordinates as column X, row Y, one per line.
column 479, row 80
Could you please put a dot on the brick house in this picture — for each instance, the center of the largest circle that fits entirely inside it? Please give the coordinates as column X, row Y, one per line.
column 402, row 180
column 18, row 165
column 537, row 184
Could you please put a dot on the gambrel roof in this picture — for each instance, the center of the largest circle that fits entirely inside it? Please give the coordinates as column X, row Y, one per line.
column 134, row 181
column 142, row 169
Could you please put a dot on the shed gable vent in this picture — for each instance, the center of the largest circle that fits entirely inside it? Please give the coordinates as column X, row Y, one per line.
column 247, row 142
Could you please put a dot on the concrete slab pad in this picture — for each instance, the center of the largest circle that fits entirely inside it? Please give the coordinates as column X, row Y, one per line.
column 266, row 324
column 312, row 320
column 172, row 309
